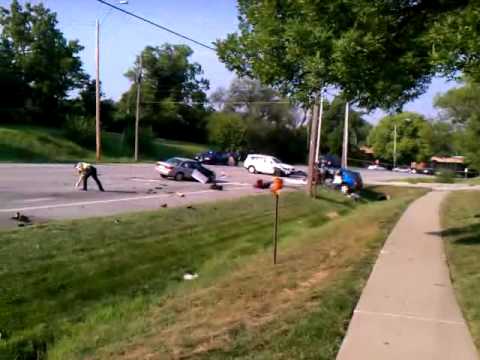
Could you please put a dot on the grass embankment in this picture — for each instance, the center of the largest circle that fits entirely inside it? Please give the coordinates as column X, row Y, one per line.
column 37, row 144
column 461, row 219
column 436, row 180
column 107, row 289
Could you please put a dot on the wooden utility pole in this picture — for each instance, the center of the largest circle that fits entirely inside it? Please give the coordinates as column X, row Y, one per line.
column 320, row 116
column 345, row 138
column 313, row 148
column 137, row 115
column 97, row 101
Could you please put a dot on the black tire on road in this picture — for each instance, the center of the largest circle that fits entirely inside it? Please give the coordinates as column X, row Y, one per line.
column 179, row 176
column 252, row 170
column 278, row 173
column 163, row 176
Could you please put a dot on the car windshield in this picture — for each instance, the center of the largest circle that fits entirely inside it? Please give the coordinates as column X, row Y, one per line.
column 173, row 161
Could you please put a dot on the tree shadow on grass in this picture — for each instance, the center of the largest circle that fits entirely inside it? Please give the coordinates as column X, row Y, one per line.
column 463, row 235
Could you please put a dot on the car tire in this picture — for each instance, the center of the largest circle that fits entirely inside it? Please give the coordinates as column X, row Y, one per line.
column 252, row 170
column 163, row 176
column 278, row 173
column 179, row 176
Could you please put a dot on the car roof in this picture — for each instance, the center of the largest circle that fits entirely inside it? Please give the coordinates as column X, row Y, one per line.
column 271, row 156
column 182, row 159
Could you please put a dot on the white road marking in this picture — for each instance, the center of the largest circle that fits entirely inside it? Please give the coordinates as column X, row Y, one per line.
column 95, row 202
column 37, row 199
column 410, row 317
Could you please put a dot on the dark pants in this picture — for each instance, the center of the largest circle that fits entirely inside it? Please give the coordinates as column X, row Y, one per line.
column 92, row 171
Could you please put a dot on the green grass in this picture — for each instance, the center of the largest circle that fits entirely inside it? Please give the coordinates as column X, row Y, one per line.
column 100, row 288
column 461, row 219
column 36, row 144
column 432, row 180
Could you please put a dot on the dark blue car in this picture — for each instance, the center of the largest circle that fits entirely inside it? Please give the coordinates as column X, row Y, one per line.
column 352, row 179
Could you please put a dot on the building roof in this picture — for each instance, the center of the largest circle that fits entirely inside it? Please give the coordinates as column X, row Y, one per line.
column 448, row 159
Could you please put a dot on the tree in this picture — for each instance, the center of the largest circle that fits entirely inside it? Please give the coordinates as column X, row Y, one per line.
column 174, row 101
column 43, row 64
column 414, row 138
column 460, row 110
column 379, row 53
column 333, row 126
column 227, row 131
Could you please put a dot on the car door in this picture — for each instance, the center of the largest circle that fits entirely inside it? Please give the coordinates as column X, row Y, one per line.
column 187, row 169
column 269, row 166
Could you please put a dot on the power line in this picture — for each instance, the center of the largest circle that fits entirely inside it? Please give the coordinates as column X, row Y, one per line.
column 157, row 25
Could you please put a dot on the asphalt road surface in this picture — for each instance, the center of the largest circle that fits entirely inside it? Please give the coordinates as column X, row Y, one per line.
column 46, row 192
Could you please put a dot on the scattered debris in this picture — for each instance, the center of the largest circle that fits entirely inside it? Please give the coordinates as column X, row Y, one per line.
column 159, row 188
column 151, row 191
column 180, row 194
column 117, row 221
column 164, row 205
column 216, row 187
column 191, row 207
column 190, row 276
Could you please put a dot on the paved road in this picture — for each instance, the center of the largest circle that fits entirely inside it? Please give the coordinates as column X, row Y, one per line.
column 46, row 191
column 408, row 308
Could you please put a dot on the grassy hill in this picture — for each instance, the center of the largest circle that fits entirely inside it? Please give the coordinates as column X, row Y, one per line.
column 37, row 144
column 113, row 288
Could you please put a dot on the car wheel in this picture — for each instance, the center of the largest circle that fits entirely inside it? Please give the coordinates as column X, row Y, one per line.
column 277, row 172
column 179, row 176
column 252, row 170
column 163, row 176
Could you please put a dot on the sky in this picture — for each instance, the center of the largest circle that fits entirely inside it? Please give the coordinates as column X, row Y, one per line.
column 123, row 37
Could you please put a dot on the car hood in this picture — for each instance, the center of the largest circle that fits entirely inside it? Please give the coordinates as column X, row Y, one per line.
column 285, row 166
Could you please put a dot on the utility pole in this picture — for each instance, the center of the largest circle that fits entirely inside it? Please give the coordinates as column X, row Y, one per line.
column 345, row 138
column 137, row 115
column 320, row 116
column 97, row 100
column 313, row 147
column 394, row 145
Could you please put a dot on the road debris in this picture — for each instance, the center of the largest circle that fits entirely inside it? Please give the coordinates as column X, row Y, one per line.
column 164, row 205
column 260, row 184
column 180, row 194
column 190, row 276
column 216, row 187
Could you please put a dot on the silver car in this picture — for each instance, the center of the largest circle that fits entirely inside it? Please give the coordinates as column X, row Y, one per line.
column 182, row 169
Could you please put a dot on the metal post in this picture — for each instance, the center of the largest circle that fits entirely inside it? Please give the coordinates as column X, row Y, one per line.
column 320, row 116
column 137, row 115
column 394, row 145
column 97, row 100
column 345, row 138
column 275, row 231
column 313, row 147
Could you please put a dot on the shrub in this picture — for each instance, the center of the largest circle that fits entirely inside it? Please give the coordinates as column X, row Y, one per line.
column 445, row 177
column 80, row 130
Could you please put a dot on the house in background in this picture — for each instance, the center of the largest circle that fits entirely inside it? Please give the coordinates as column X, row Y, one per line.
column 451, row 163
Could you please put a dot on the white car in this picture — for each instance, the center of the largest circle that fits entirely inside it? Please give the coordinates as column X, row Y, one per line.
column 266, row 164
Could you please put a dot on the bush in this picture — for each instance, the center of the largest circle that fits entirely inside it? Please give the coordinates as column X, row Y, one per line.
column 445, row 177
column 80, row 130
column 226, row 130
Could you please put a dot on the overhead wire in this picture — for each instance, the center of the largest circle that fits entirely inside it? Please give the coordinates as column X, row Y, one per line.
column 185, row 37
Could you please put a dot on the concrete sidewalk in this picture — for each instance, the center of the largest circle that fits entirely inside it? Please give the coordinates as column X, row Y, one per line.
column 408, row 309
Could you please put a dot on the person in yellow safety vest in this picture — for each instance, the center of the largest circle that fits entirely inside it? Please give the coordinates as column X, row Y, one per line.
column 85, row 170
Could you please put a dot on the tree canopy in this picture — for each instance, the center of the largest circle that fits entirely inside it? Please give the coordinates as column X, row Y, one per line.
column 460, row 108
column 414, row 138
column 379, row 53
column 174, row 101
column 36, row 60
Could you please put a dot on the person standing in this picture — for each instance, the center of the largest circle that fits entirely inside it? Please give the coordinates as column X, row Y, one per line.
column 85, row 170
